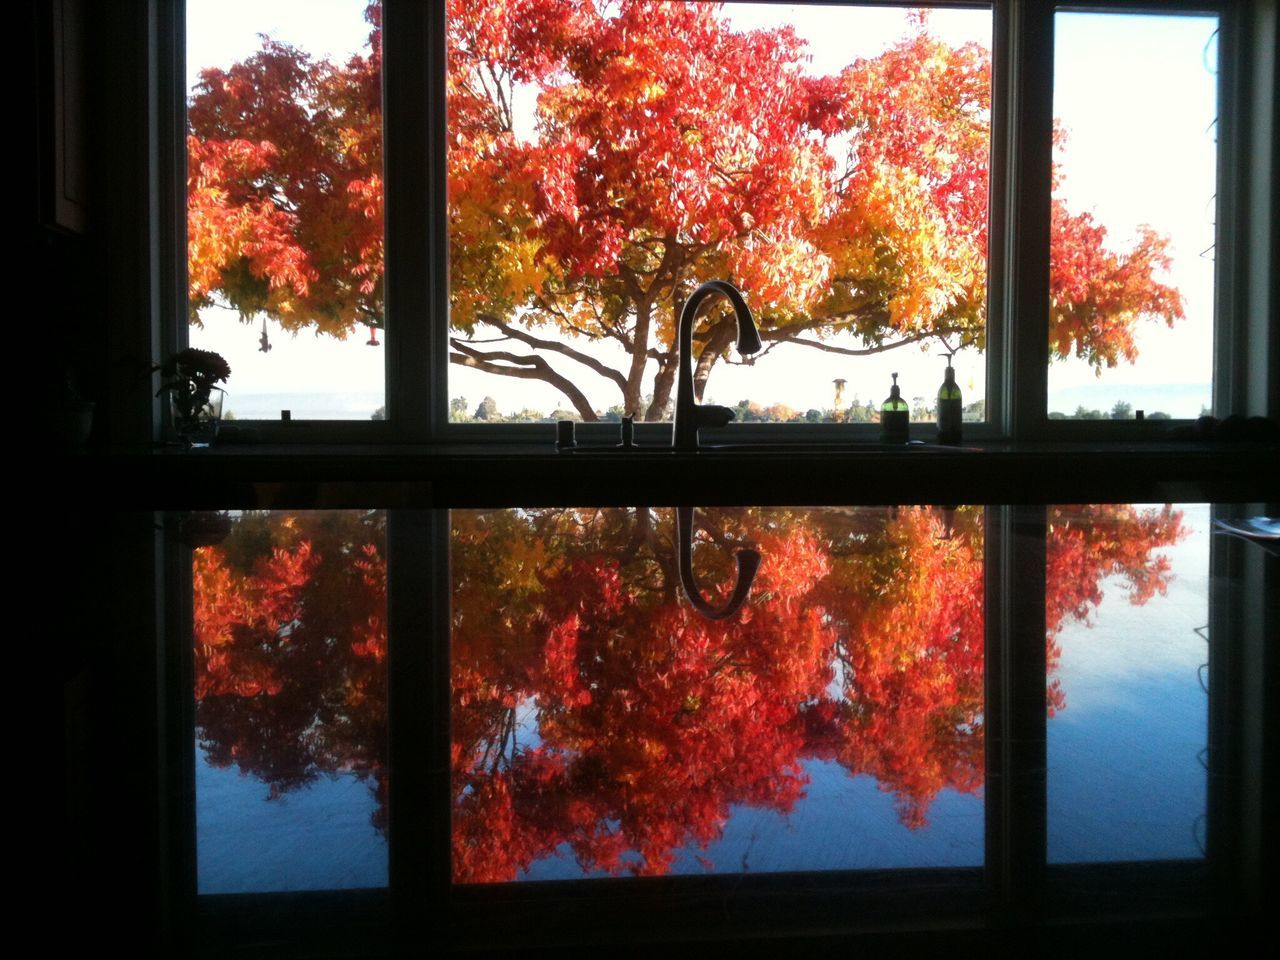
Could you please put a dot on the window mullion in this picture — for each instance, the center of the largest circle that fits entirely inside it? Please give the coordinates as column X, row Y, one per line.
column 412, row 125
column 1016, row 684
column 1028, row 80
column 415, row 698
column 999, row 228
column 1245, row 305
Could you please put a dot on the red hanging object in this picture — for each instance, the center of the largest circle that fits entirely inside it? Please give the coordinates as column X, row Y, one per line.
column 373, row 338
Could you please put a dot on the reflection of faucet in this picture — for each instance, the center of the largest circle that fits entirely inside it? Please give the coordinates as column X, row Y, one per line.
column 748, row 564
column 690, row 415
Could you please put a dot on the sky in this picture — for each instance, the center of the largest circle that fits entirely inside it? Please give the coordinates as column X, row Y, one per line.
column 1135, row 93
column 1126, row 778
column 1137, row 98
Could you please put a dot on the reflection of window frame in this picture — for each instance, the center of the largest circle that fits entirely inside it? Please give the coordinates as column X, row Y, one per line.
column 1016, row 885
column 1016, row 357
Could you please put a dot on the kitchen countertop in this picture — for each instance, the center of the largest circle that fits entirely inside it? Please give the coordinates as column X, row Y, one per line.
column 493, row 474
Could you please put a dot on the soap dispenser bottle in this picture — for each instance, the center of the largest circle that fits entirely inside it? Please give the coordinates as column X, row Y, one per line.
column 894, row 416
column 950, row 407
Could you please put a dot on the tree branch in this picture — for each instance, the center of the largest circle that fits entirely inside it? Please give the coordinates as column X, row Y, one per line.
column 515, row 333
column 531, row 368
column 781, row 336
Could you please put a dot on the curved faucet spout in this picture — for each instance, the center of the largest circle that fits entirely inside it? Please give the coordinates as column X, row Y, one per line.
column 748, row 563
column 690, row 415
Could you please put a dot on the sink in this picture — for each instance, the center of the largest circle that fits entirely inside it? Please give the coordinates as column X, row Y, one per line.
column 850, row 447
column 777, row 447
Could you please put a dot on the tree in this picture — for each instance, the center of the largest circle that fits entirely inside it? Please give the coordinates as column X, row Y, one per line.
column 649, row 722
column 632, row 724
column 290, row 649
column 668, row 148
column 284, row 189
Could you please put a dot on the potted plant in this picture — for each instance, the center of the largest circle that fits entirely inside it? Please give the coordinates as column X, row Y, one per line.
column 190, row 377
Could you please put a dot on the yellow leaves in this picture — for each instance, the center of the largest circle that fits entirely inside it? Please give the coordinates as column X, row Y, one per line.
column 521, row 563
column 652, row 91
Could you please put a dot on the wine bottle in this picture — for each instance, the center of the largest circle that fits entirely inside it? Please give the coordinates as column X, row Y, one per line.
column 894, row 416
column 950, row 407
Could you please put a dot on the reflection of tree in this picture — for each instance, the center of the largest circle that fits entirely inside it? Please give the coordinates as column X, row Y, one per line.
column 290, row 639
column 1085, row 545
column 653, row 722
column 909, row 586
column 861, row 643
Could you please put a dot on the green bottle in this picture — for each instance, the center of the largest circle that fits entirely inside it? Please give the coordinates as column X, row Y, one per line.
column 894, row 416
column 950, row 408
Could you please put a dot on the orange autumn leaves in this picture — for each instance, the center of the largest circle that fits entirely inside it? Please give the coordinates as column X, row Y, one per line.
column 592, row 710
column 284, row 188
column 603, row 158
column 290, row 645
column 652, row 721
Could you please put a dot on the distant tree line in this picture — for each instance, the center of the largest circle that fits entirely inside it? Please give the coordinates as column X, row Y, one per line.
column 746, row 411
column 1121, row 411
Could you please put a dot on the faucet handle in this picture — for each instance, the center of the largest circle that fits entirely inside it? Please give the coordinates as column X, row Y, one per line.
column 711, row 415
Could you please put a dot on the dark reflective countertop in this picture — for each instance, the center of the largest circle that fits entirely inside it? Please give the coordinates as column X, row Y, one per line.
column 963, row 719
column 480, row 474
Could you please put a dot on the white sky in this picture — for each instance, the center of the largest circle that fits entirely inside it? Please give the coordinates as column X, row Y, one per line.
column 1133, row 92
column 1138, row 102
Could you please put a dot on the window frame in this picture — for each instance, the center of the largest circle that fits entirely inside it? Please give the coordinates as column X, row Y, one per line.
column 417, row 362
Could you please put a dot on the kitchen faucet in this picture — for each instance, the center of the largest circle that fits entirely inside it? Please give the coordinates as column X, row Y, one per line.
column 691, row 415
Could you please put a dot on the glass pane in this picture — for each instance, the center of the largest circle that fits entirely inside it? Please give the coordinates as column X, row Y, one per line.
column 1134, row 206
column 615, row 712
column 291, row 700
column 284, row 204
column 1128, row 608
column 831, row 162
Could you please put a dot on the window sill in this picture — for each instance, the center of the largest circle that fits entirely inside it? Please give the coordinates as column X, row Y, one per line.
column 443, row 475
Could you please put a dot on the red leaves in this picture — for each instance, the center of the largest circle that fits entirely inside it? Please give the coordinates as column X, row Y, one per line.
column 285, row 189
column 664, row 147
column 237, row 619
column 912, row 664
column 1099, row 295
column 290, row 648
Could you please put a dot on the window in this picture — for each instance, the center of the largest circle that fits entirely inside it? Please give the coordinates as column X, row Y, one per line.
column 289, row 622
column 1135, row 101
column 831, row 161
column 285, row 232
column 502, row 173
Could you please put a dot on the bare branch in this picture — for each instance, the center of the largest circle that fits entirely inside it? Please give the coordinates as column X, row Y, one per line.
column 515, row 333
column 532, row 368
column 781, row 336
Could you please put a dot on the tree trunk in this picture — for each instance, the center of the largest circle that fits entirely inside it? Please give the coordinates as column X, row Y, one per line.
column 720, row 337
column 632, row 400
column 662, row 384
